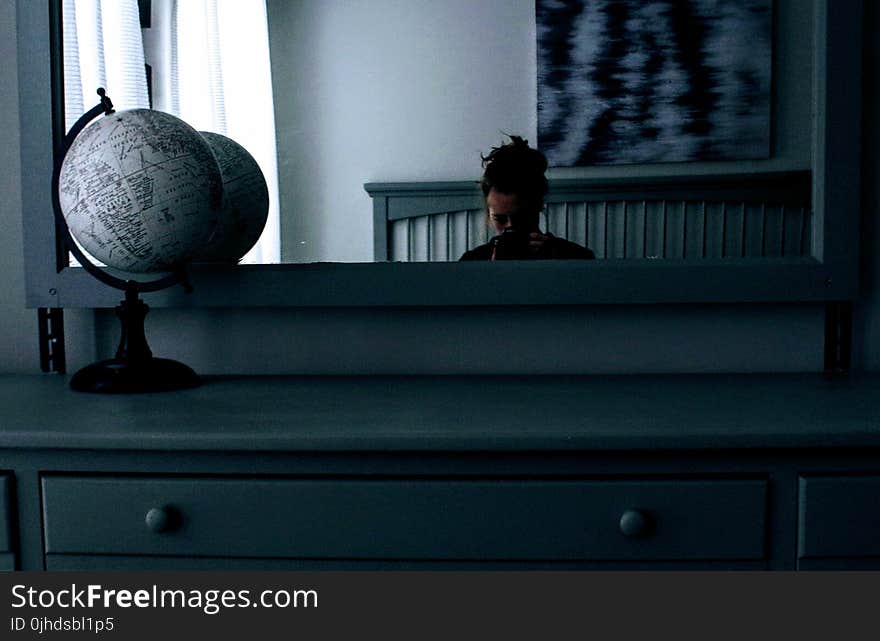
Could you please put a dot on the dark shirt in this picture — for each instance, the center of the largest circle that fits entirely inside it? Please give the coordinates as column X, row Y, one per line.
column 554, row 248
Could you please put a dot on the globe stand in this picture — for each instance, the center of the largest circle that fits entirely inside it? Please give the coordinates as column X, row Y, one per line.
column 134, row 369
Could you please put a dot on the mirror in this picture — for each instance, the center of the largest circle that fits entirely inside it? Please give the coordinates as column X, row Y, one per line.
column 361, row 98
column 387, row 92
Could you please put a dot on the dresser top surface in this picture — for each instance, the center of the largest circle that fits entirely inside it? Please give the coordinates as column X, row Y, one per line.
column 451, row 413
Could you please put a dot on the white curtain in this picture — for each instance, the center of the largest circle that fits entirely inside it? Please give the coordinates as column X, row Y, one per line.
column 209, row 65
column 102, row 48
column 213, row 71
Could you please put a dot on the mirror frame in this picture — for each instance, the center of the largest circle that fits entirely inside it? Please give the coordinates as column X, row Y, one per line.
column 830, row 274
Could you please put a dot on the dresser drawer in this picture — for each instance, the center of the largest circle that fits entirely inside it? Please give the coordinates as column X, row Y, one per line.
column 7, row 559
column 839, row 517
column 345, row 518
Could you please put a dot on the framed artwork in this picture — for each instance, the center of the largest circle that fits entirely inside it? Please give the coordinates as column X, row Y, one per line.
column 651, row 81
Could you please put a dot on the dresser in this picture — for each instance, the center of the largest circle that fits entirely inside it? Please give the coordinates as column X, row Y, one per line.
column 430, row 472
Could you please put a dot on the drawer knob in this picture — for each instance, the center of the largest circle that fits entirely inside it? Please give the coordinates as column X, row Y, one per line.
column 162, row 519
column 635, row 523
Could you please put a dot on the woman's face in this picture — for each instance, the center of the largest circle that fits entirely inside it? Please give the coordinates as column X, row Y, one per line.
column 510, row 210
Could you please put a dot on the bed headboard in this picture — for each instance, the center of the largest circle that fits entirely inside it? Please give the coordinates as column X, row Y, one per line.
column 711, row 216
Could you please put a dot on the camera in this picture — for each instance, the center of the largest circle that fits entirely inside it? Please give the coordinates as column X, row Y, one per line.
column 513, row 244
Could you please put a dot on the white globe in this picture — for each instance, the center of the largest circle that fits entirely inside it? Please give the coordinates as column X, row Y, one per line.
column 245, row 202
column 141, row 190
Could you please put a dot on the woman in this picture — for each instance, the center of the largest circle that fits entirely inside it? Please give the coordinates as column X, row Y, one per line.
column 514, row 186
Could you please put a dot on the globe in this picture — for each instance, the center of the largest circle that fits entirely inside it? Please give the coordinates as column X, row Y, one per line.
column 245, row 202
column 140, row 190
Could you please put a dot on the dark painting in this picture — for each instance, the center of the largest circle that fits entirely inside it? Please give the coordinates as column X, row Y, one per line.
column 632, row 81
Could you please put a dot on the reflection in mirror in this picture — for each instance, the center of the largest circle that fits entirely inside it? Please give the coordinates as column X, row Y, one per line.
column 414, row 93
column 204, row 62
column 371, row 92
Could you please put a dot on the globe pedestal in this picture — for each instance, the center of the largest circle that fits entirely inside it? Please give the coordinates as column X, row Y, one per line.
column 134, row 369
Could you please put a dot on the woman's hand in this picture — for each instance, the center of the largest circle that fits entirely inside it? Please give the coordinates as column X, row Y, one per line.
column 517, row 245
column 538, row 241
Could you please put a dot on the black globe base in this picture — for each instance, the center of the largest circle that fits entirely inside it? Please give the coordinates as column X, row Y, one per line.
column 134, row 369
column 118, row 376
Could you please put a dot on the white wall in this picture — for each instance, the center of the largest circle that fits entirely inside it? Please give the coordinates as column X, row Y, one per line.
column 409, row 90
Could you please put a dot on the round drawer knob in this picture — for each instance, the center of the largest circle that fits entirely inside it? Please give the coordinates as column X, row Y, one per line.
column 161, row 519
column 635, row 523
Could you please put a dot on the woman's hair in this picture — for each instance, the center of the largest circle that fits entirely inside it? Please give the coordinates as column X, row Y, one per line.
column 516, row 168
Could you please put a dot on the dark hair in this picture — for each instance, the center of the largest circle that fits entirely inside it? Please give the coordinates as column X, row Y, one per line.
column 516, row 168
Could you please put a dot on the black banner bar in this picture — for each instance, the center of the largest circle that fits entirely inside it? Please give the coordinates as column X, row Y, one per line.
column 438, row 605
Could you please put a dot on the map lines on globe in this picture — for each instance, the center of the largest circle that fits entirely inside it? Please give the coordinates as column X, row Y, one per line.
column 143, row 191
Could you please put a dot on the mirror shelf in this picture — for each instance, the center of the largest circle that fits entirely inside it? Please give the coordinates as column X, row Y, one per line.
column 474, row 284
